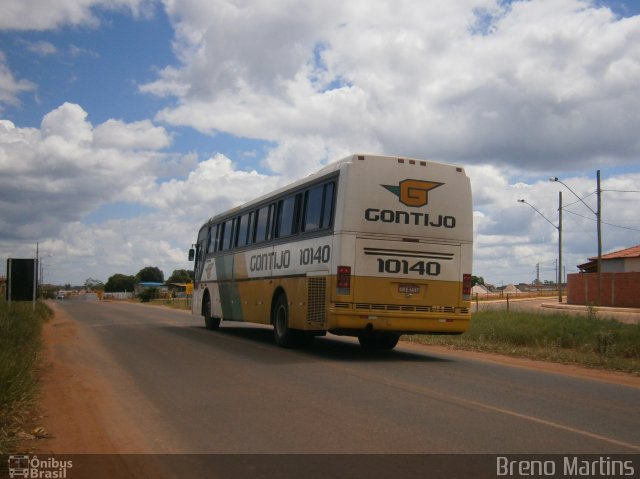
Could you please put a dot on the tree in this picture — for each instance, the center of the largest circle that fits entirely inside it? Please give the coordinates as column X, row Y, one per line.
column 119, row 283
column 180, row 276
column 476, row 280
column 150, row 274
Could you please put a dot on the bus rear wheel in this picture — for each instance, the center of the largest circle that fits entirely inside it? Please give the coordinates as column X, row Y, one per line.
column 281, row 331
column 283, row 334
column 379, row 341
column 209, row 321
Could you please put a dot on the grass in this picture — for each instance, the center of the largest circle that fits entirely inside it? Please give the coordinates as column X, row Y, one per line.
column 20, row 348
column 587, row 341
column 175, row 303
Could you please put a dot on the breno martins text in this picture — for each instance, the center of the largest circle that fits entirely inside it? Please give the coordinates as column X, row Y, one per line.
column 569, row 466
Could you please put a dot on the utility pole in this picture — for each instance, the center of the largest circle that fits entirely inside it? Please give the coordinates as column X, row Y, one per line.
column 598, row 214
column 559, row 246
column 559, row 228
column 599, row 217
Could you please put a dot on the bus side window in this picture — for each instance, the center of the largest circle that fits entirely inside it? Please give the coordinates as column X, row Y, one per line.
column 287, row 223
column 225, row 235
column 218, row 234
column 327, row 205
column 312, row 209
column 251, row 227
column 211, row 246
column 230, row 234
column 244, row 226
column 263, row 224
column 253, row 221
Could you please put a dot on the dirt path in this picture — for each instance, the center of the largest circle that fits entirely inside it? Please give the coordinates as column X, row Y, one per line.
column 81, row 411
column 84, row 413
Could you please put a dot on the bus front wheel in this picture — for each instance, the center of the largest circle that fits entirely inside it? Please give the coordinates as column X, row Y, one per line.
column 209, row 321
column 378, row 341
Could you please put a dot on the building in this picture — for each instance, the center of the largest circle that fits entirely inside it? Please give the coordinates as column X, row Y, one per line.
column 623, row 261
column 620, row 280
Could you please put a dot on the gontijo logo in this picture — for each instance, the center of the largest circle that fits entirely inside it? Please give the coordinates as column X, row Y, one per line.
column 413, row 192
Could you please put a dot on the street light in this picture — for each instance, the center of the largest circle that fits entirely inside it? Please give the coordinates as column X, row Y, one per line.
column 559, row 228
column 598, row 213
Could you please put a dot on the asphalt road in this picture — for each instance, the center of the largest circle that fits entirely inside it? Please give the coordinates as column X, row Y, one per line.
column 234, row 391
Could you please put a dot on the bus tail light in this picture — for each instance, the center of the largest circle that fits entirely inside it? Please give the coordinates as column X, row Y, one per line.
column 466, row 287
column 344, row 279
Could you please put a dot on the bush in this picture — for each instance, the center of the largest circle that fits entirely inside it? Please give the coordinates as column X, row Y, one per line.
column 20, row 348
column 148, row 294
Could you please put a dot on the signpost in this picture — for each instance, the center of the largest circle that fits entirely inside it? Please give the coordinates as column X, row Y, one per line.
column 22, row 279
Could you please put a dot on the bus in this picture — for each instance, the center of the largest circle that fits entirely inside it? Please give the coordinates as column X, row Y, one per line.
column 370, row 246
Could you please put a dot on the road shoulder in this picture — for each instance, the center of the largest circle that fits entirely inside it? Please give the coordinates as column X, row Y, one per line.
column 80, row 409
column 613, row 377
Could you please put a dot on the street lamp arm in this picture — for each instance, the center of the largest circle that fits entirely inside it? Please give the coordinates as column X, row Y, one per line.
column 558, row 180
column 537, row 211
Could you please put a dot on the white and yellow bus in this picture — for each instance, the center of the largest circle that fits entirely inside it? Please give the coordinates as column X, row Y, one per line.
column 369, row 246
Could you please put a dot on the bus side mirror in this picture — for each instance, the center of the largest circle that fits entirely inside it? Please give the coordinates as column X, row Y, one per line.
column 192, row 254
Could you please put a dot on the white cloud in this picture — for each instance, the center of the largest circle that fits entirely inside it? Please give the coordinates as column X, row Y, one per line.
column 511, row 237
column 10, row 87
column 214, row 186
column 515, row 91
column 525, row 83
column 49, row 14
column 64, row 173
column 140, row 135
column 56, row 174
column 42, row 48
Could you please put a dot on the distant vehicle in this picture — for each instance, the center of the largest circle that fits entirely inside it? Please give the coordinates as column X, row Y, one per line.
column 61, row 295
column 369, row 246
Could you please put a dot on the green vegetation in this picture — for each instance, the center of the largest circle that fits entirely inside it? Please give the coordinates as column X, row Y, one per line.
column 181, row 276
column 150, row 274
column 600, row 343
column 118, row 283
column 20, row 346
column 148, row 294
column 175, row 303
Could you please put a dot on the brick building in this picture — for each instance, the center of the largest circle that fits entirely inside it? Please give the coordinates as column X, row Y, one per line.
column 620, row 280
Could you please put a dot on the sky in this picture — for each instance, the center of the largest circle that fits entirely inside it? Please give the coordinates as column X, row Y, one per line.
column 125, row 124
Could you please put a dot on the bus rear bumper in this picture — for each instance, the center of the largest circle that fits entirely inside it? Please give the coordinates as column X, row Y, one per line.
column 353, row 324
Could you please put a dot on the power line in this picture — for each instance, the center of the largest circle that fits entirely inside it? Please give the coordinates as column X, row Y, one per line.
column 604, row 222
column 580, row 200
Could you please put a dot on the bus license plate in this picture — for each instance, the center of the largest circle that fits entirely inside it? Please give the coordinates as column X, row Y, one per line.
column 408, row 288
